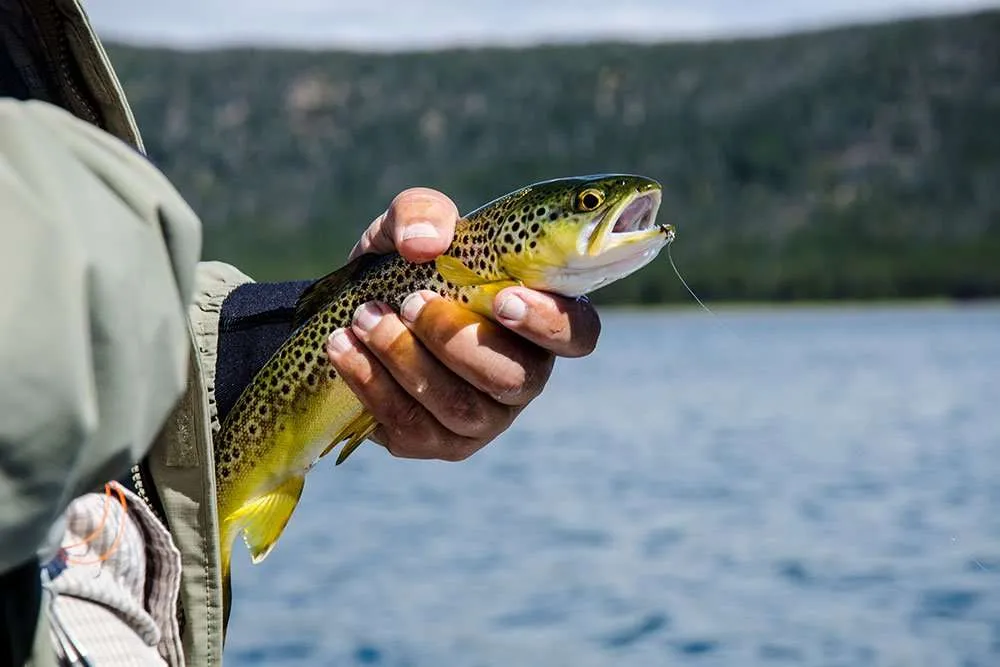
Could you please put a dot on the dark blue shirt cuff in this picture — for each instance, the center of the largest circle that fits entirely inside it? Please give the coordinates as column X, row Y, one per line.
column 255, row 320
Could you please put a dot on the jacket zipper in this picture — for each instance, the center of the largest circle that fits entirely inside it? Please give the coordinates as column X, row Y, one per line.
column 140, row 490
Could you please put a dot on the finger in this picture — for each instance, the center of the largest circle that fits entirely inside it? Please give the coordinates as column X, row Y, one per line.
column 419, row 224
column 563, row 326
column 457, row 405
column 406, row 428
column 499, row 363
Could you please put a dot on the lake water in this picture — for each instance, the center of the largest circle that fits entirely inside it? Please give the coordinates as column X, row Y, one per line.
column 765, row 487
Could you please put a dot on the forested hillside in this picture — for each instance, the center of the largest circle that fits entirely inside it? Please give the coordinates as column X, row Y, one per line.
column 861, row 162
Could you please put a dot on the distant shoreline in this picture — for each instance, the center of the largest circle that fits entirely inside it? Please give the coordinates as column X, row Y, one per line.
column 831, row 304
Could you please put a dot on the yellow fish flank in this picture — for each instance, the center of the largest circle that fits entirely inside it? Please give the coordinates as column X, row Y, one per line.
column 568, row 236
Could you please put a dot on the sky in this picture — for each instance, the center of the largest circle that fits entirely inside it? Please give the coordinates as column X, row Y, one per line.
column 408, row 24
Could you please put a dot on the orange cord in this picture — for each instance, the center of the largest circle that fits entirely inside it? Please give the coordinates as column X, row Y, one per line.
column 71, row 560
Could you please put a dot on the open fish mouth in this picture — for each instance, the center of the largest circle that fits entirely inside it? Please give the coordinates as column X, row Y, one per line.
column 638, row 215
column 629, row 223
column 615, row 244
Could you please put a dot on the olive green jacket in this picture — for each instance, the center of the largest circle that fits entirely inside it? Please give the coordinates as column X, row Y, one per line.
column 107, row 324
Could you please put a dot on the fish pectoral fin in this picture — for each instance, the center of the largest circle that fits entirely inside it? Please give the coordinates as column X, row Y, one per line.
column 264, row 518
column 477, row 291
column 480, row 297
column 355, row 433
column 453, row 270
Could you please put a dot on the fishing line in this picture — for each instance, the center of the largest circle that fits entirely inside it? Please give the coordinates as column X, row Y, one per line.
column 684, row 282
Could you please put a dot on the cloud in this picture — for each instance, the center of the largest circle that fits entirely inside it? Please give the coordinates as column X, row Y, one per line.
column 401, row 24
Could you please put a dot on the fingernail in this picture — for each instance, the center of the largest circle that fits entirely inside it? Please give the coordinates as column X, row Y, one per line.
column 411, row 306
column 367, row 316
column 340, row 341
column 512, row 308
column 420, row 230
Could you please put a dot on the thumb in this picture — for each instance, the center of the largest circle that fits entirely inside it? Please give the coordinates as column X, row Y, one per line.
column 419, row 224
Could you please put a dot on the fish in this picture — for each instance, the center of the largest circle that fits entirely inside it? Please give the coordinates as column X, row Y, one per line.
column 568, row 236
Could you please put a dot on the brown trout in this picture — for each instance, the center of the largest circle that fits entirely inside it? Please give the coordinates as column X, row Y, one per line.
column 567, row 236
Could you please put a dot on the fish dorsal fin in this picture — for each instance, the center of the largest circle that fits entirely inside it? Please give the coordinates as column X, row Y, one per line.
column 454, row 271
column 264, row 518
column 323, row 291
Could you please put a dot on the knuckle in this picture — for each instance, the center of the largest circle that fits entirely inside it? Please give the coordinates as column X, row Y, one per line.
column 510, row 384
column 506, row 388
column 403, row 416
column 463, row 403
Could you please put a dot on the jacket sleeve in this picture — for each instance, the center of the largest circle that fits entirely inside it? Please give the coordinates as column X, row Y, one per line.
column 97, row 261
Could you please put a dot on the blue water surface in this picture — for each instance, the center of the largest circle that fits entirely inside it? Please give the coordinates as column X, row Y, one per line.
column 763, row 487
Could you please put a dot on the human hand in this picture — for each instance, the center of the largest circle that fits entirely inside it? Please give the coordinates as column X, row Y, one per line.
column 442, row 381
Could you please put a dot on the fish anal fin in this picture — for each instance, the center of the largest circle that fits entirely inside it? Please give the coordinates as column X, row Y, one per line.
column 363, row 431
column 325, row 289
column 264, row 518
column 355, row 433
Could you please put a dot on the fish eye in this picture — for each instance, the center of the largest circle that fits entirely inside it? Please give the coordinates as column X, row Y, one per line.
column 589, row 199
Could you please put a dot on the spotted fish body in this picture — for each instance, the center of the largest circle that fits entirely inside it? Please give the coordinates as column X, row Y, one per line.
column 568, row 236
